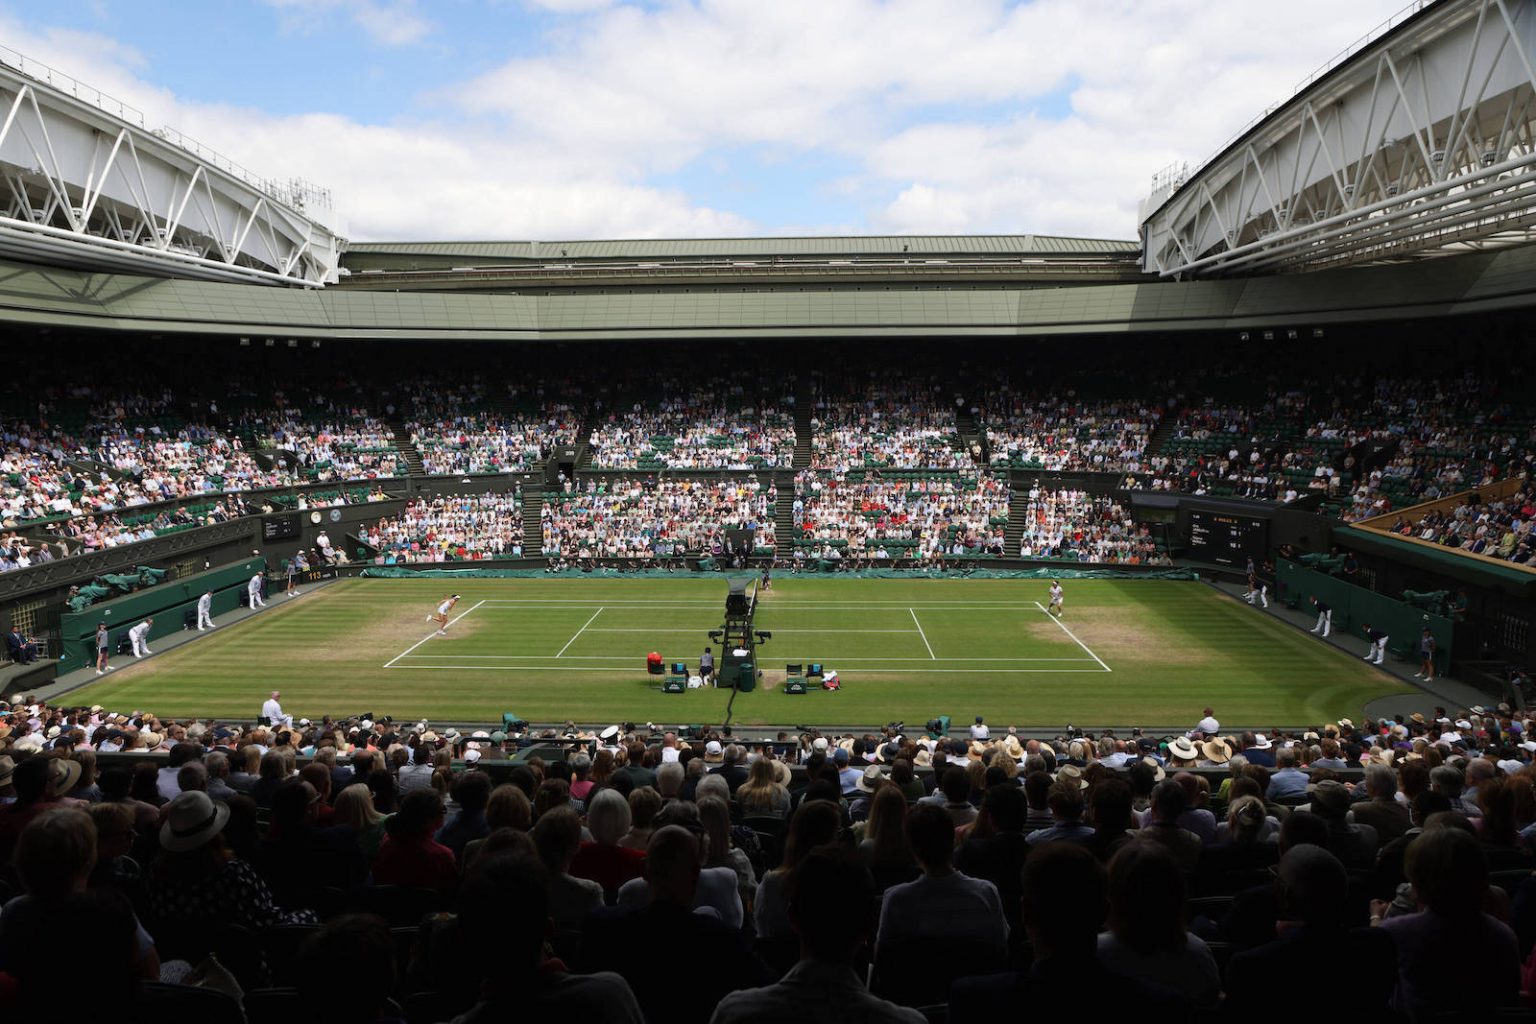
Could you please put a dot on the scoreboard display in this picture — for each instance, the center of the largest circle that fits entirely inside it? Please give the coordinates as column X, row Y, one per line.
column 279, row 527
column 1227, row 539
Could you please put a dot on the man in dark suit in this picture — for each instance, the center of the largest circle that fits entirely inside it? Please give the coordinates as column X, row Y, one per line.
column 1065, row 894
column 21, row 648
column 733, row 771
column 1313, row 892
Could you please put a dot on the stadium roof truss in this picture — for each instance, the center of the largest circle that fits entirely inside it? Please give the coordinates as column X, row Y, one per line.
column 82, row 185
column 1419, row 144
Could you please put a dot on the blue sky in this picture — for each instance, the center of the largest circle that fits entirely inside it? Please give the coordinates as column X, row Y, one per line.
column 601, row 118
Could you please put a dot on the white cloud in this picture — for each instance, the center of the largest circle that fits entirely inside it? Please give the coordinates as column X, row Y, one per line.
column 387, row 22
column 936, row 117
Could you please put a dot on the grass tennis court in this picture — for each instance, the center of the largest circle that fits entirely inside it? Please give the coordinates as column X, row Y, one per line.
column 1126, row 652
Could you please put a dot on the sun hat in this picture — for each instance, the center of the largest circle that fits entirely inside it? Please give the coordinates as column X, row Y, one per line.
column 1417, row 717
column 429, row 737
column 1012, row 747
column 191, row 820
column 1072, row 773
column 781, row 773
column 713, row 752
column 870, row 779
column 63, row 774
column 976, row 751
column 609, row 734
column 1183, row 749
column 498, row 737
column 1261, row 742
column 887, row 753
column 1216, row 750
column 151, row 740
column 923, row 758
column 1158, row 774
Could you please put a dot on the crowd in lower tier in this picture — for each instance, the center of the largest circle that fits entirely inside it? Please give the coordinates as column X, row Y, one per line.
column 808, row 875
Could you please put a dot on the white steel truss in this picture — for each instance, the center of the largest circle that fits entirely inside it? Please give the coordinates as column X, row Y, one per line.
column 1422, row 143
column 82, row 185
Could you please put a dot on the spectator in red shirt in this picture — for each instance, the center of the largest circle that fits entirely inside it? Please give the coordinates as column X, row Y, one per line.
column 410, row 856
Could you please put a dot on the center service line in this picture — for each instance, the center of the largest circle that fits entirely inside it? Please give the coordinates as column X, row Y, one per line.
column 920, row 633
column 583, row 629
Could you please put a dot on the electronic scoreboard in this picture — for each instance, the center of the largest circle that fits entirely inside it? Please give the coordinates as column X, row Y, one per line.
column 1227, row 539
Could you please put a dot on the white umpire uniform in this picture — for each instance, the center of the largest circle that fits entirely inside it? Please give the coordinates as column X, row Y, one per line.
column 139, row 637
column 205, row 612
column 254, row 589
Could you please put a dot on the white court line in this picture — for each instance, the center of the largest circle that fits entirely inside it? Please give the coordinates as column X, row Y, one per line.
column 632, row 657
column 920, row 633
column 774, row 606
column 430, row 635
column 705, row 629
column 1075, row 640
column 641, row 670
column 580, row 631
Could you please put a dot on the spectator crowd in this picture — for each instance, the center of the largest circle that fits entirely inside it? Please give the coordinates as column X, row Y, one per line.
column 450, row 528
column 645, row 518
column 1386, row 866
column 925, row 517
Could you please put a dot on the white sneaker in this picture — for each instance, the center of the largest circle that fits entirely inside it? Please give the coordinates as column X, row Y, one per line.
column 98, row 671
column 1418, row 675
column 1312, row 631
column 442, row 632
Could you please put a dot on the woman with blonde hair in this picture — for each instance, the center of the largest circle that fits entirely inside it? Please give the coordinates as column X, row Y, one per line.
column 354, row 807
column 762, row 795
column 715, row 815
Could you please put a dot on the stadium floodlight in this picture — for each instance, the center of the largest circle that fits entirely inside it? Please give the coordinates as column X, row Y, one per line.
column 271, row 342
column 245, row 342
column 293, row 342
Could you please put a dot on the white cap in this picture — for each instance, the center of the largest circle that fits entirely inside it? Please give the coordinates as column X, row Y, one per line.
column 712, row 747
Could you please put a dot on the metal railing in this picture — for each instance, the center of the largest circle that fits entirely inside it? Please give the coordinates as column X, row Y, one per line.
column 1171, row 177
column 296, row 193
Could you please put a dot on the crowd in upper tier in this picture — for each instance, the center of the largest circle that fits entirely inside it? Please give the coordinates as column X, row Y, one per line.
column 464, row 426
column 884, row 421
column 660, row 519
column 77, row 458
column 730, row 421
column 1385, row 866
column 1055, row 429
column 927, row 518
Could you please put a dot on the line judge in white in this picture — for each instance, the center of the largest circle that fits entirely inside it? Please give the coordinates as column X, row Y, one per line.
column 272, row 711
column 138, row 636
column 205, row 611
column 254, row 589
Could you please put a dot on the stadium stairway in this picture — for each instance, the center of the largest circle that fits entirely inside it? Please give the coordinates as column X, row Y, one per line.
column 803, row 431
column 584, row 438
column 533, row 527
column 784, row 514
column 410, row 451
column 972, row 437
column 1018, row 503
column 1163, row 432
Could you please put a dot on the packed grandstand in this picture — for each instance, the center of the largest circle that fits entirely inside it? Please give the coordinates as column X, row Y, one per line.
column 1267, row 397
